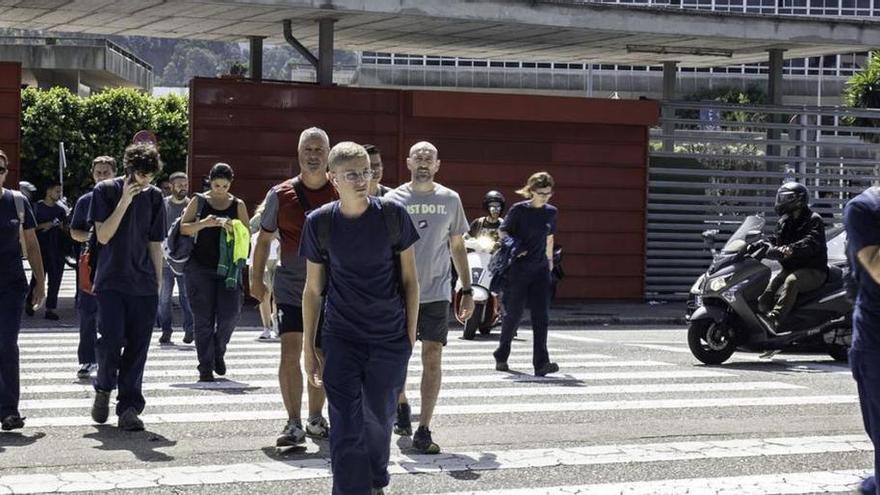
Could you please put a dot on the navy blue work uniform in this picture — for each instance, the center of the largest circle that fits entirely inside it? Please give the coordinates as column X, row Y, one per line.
column 51, row 243
column 215, row 309
column 365, row 344
column 862, row 219
column 86, row 304
column 126, row 289
column 13, row 289
column 528, row 278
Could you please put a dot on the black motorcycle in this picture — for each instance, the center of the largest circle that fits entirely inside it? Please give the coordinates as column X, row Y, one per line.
column 723, row 303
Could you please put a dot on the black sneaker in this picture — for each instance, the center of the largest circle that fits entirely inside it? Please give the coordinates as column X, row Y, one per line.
column 220, row 366
column 13, row 422
column 129, row 421
column 403, row 425
column 188, row 337
column 101, row 406
column 85, row 370
column 501, row 366
column 206, row 377
column 51, row 315
column 165, row 339
column 28, row 309
column 423, row 443
column 547, row 369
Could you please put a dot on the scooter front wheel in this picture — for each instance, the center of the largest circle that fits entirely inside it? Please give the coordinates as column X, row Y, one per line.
column 710, row 342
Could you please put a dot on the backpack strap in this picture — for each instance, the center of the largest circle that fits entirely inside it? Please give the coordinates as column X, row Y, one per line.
column 323, row 224
column 392, row 223
column 301, row 194
column 18, row 199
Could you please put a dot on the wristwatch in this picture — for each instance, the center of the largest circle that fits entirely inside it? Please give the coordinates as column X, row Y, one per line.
column 467, row 292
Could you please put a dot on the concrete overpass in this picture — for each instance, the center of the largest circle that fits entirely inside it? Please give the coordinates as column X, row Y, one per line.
column 514, row 30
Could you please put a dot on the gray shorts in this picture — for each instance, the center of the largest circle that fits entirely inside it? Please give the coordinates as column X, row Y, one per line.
column 433, row 323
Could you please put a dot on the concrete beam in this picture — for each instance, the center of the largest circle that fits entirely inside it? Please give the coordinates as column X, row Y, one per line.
column 325, row 51
column 774, row 78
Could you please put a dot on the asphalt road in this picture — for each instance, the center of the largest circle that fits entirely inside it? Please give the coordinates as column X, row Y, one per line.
column 630, row 412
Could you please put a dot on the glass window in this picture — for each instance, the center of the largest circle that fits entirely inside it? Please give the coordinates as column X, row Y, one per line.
column 496, row 64
column 544, row 65
column 529, row 65
column 511, row 65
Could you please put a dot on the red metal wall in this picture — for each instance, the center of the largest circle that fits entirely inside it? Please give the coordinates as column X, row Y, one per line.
column 596, row 150
column 10, row 119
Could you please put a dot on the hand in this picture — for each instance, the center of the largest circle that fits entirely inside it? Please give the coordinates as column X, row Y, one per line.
column 39, row 294
column 466, row 308
column 786, row 251
column 258, row 288
column 212, row 221
column 130, row 189
column 775, row 253
column 314, row 366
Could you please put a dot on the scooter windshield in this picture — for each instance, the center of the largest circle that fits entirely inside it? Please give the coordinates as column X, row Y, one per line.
column 749, row 227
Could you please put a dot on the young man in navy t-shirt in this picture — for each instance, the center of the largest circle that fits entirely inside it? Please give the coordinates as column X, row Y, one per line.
column 372, row 304
column 129, row 218
column 862, row 219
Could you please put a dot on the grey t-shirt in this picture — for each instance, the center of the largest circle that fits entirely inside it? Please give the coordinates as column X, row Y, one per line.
column 437, row 215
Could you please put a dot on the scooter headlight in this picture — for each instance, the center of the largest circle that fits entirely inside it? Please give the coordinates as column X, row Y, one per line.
column 718, row 283
column 698, row 285
column 730, row 294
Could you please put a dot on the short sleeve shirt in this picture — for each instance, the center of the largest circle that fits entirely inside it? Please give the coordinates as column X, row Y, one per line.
column 364, row 303
column 530, row 227
column 50, row 239
column 283, row 214
column 437, row 215
column 862, row 220
column 80, row 218
column 11, row 269
column 124, row 264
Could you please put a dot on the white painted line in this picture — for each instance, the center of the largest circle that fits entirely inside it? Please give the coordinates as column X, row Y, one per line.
column 198, row 400
column 188, row 382
column 318, row 468
column 157, row 369
column 768, row 484
column 178, row 359
column 658, row 347
column 472, row 347
column 574, row 338
column 493, row 408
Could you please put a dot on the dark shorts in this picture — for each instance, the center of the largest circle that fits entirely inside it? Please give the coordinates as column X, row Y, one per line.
column 290, row 319
column 433, row 321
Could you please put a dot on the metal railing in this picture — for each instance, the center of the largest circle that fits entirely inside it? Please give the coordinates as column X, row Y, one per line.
column 712, row 164
column 75, row 41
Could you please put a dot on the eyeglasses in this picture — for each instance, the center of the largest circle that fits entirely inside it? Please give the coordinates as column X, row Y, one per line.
column 354, row 177
column 3, row 170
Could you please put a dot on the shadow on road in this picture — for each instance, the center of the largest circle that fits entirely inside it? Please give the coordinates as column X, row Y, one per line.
column 18, row 440
column 142, row 444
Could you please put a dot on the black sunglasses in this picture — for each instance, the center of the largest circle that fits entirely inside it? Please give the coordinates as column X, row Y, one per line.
column 3, row 170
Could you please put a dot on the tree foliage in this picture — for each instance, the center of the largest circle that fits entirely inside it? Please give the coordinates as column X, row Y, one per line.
column 102, row 124
column 863, row 91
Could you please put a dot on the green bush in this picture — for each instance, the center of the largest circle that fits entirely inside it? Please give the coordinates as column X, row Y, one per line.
column 102, row 124
column 863, row 91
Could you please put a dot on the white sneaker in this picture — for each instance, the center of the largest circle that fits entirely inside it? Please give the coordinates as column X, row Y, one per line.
column 318, row 428
column 266, row 335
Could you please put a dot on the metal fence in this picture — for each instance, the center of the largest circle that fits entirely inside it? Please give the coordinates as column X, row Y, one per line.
column 712, row 164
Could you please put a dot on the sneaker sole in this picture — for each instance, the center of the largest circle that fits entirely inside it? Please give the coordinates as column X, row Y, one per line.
column 288, row 442
column 404, row 432
column 318, row 436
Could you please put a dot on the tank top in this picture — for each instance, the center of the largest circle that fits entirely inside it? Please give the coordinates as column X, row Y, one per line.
column 206, row 251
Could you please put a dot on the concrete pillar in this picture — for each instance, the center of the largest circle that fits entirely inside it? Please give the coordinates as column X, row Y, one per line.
column 670, row 83
column 775, row 94
column 256, row 62
column 325, row 51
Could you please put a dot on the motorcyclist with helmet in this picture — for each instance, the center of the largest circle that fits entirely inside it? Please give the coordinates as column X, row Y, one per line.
column 800, row 247
column 489, row 225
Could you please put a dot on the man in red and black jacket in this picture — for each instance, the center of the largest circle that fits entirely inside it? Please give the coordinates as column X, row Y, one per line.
column 285, row 214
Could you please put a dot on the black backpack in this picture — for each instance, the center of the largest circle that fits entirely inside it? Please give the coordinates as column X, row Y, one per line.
column 324, row 224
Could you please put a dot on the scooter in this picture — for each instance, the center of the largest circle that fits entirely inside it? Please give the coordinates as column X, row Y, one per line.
column 487, row 306
column 723, row 303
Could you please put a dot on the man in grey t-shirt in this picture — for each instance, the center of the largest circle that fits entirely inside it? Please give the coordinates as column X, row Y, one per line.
column 439, row 217
column 174, row 206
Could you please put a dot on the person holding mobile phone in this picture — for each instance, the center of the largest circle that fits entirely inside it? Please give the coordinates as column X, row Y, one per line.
column 129, row 218
column 216, row 307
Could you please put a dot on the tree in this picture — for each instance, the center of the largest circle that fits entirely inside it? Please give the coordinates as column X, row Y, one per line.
column 188, row 62
column 863, row 91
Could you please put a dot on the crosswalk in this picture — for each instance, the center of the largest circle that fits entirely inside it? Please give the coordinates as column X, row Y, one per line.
column 585, row 430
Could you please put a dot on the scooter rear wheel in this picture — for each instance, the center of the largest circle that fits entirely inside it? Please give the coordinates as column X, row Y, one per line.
column 709, row 342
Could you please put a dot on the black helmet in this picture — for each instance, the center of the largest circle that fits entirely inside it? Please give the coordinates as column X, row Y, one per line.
column 494, row 197
column 790, row 198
